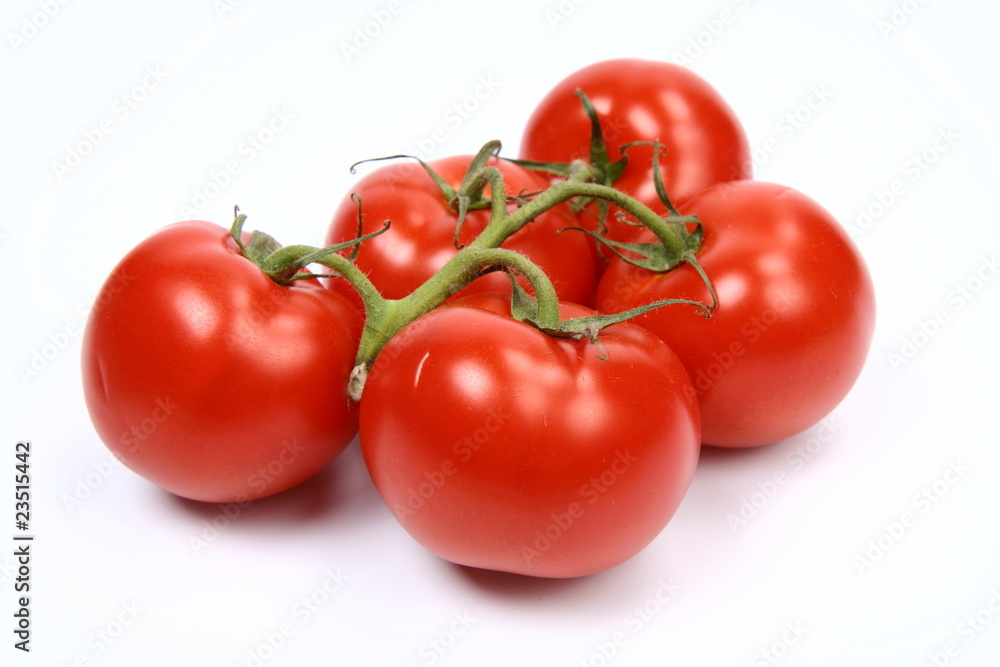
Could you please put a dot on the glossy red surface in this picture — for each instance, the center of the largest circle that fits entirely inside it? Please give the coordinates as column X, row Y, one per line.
column 212, row 381
column 795, row 319
column 499, row 447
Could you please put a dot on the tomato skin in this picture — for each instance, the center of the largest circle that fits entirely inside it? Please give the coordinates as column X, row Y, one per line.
column 643, row 100
column 212, row 381
column 421, row 237
column 795, row 319
column 499, row 447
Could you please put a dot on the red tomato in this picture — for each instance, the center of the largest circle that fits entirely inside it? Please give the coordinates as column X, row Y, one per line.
column 421, row 237
column 212, row 381
column 643, row 100
column 795, row 319
column 497, row 446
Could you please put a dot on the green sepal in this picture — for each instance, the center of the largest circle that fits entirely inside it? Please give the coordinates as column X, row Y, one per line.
column 560, row 169
column 489, row 151
column 524, row 308
column 600, row 169
column 260, row 247
column 661, row 190
column 654, row 256
column 470, row 192
column 284, row 265
column 447, row 191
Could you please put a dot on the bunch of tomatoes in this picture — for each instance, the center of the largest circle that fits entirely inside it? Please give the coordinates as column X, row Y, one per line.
column 532, row 351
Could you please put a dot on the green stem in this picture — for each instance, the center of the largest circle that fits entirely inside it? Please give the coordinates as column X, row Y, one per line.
column 384, row 318
column 370, row 297
column 496, row 231
column 500, row 226
column 566, row 190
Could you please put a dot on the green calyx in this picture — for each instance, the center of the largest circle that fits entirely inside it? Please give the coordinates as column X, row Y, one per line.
column 656, row 256
column 599, row 169
column 286, row 264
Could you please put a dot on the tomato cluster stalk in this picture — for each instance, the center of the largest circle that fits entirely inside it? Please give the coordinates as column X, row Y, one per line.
column 678, row 239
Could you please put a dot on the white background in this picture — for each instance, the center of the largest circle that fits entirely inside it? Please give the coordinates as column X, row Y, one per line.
column 822, row 572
